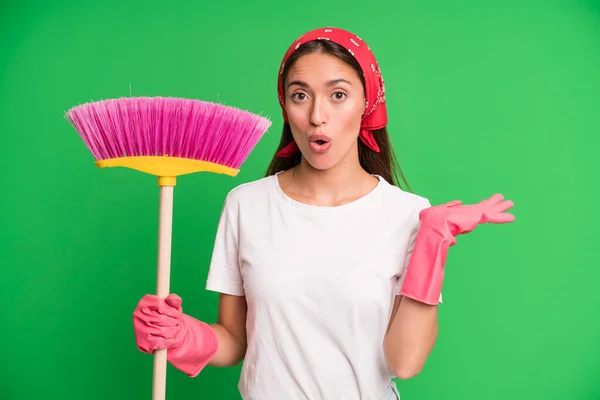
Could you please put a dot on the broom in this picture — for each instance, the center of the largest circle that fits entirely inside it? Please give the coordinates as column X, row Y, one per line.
column 167, row 137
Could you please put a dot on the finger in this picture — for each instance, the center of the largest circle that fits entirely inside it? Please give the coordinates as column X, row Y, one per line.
column 452, row 203
column 149, row 300
column 158, row 328
column 169, row 306
column 157, row 332
column 496, row 198
column 152, row 343
column 173, row 300
column 504, row 206
column 502, row 218
column 166, row 333
column 170, row 312
column 156, row 317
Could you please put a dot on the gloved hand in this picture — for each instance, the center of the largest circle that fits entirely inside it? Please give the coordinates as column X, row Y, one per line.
column 161, row 324
column 439, row 227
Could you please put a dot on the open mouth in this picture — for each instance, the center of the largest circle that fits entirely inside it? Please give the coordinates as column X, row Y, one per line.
column 320, row 143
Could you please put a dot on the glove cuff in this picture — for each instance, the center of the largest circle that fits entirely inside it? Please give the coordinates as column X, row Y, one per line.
column 196, row 347
column 424, row 273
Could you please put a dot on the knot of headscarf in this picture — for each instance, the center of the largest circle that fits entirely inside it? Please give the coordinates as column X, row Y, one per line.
column 375, row 115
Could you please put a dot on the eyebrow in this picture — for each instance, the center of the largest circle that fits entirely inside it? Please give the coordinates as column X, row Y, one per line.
column 329, row 83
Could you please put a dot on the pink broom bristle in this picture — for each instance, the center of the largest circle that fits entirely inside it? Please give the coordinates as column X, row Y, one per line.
column 166, row 126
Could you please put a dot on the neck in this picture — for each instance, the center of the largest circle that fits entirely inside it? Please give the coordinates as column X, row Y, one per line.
column 341, row 184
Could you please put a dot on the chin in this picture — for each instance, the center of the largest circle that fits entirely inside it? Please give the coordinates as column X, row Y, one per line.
column 328, row 159
column 321, row 162
column 320, row 165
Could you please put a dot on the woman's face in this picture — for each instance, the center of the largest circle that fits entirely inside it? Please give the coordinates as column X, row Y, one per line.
column 324, row 101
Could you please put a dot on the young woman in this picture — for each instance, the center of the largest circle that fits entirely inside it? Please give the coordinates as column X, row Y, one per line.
column 329, row 273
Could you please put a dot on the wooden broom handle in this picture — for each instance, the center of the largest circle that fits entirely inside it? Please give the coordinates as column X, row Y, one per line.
column 165, row 228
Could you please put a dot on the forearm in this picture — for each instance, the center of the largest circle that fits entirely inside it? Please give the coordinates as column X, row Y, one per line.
column 231, row 349
column 411, row 335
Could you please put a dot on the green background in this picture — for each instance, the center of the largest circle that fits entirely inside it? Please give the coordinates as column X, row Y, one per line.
column 483, row 97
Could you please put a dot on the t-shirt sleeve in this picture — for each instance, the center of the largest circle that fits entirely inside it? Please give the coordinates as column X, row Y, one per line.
column 424, row 203
column 224, row 272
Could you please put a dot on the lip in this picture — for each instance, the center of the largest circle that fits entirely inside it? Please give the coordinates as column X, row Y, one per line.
column 316, row 136
column 319, row 148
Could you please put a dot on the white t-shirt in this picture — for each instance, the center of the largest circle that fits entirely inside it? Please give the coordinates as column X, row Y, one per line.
column 320, row 283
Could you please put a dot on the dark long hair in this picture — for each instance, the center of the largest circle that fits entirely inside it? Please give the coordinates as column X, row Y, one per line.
column 383, row 163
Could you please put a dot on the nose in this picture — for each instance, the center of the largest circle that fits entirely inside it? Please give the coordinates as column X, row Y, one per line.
column 318, row 113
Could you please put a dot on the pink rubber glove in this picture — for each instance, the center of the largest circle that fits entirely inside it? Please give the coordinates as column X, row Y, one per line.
column 439, row 227
column 161, row 324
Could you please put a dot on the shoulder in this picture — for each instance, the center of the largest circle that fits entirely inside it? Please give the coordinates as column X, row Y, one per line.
column 253, row 192
column 395, row 197
column 397, row 211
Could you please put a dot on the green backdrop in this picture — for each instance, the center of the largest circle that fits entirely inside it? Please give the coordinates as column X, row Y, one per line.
column 483, row 97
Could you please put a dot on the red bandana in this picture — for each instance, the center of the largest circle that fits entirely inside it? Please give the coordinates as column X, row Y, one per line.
column 375, row 116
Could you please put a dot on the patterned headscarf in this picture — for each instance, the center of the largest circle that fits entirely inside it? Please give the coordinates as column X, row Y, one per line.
column 375, row 116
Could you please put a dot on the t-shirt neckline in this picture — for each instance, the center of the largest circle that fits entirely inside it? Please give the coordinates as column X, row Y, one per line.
column 310, row 209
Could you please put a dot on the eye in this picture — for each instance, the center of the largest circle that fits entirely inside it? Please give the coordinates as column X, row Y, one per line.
column 339, row 95
column 299, row 96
